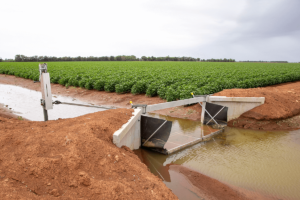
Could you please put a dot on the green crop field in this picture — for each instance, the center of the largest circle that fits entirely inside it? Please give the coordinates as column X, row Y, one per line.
column 168, row 80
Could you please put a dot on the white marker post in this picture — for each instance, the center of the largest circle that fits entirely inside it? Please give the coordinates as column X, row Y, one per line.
column 46, row 100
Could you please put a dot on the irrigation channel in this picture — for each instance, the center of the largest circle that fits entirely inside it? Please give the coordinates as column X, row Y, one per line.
column 26, row 103
column 258, row 161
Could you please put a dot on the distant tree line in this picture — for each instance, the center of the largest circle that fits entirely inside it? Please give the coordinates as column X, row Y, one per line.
column 218, row 60
column 167, row 58
column 22, row 58
column 266, row 61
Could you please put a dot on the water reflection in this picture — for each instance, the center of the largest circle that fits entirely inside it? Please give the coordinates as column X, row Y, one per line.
column 26, row 103
column 185, row 125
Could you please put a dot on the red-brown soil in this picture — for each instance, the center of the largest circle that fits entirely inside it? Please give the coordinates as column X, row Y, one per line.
column 73, row 159
column 192, row 112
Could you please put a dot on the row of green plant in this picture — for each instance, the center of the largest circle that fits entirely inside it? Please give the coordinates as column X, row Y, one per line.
column 168, row 80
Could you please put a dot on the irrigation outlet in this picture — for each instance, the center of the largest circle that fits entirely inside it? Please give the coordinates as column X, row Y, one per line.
column 156, row 133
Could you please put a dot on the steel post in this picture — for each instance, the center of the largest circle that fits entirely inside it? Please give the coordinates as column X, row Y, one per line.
column 45, row 114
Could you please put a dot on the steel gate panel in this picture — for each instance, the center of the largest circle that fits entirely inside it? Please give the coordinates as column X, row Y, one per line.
column 154, row 132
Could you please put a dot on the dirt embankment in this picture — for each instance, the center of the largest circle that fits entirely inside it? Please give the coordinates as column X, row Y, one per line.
column 73, row 159
column 280, row 111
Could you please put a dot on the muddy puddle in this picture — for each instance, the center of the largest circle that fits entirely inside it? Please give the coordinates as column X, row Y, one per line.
column 261, row 162
column 26, row 103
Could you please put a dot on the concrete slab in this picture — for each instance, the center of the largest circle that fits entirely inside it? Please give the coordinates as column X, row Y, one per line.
column 178, row 141
column 211, row 135
column 182, row 146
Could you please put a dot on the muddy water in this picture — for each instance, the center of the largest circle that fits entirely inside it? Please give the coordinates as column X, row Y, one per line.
column 183, row 125
column 261, row 162
column 26, row 103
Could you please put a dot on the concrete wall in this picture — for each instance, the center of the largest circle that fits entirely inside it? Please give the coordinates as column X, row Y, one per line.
column 236, row 105
column 172, row 104
column 129, row 134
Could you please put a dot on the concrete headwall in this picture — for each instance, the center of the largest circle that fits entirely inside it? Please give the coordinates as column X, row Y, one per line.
column 129, row 134
column 236, row 105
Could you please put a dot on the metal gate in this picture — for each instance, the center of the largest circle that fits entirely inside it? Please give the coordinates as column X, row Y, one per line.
column 155, row 132
column 217, row 114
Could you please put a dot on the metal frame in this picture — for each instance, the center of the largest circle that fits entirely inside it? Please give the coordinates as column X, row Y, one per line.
column 144, row 106
column 212, row 118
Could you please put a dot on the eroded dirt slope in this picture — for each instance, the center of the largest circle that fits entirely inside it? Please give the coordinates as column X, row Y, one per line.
column 73, row 159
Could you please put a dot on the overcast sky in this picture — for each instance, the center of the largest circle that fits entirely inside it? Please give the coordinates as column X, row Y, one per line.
column 239, row 29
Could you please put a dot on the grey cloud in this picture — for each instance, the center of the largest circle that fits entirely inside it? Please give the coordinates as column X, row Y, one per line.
column 278, row 19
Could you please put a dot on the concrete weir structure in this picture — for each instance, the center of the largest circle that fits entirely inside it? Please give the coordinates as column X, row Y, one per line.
column 130, row 133
column 236, row 105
